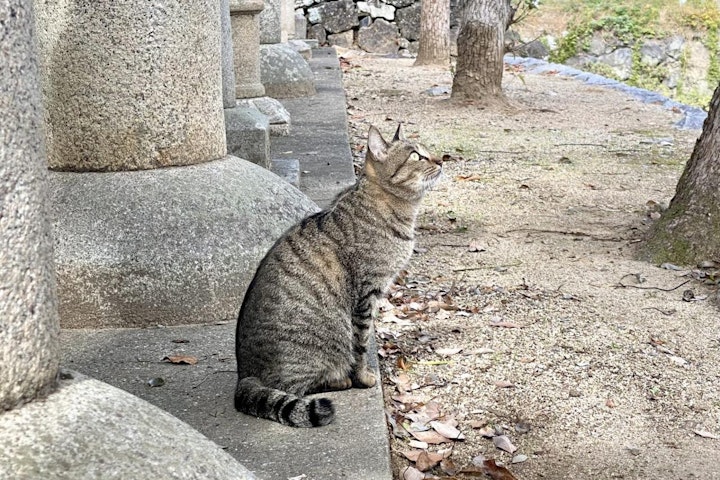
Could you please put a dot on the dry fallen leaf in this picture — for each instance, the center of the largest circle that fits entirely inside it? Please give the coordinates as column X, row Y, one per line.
column 402, row 378
column 446, row 352
column 412, row 455
column 447, row 431
column 488, row 468
column 503, row 443
column 487, row 432
column 402, row 364
column 706, row 434
column 418, row 444
column 497, row 472
column 447, row 465
column 408, row 398
column 411, row 473
column 475, row 246
column 430, row 437
column 181, row 359
column 425, row 461
column 468, row 178
column 505, row 325
column 475, row 424
column 503, row 384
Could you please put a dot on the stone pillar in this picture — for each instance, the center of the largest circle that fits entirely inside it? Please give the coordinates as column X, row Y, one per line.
column 228, row 62
column 130, row 88
column 287, row 20
column 244, row 18
column 245, row 22
column 28, row 309
column 247, row 130
column 270, row 27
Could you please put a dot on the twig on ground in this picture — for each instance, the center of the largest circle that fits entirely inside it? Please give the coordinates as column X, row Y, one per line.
column 568, row 232
column 580, row 145
column 664, row 312
column 502, row 151
column 486, row 267
column 212, row 373
column 623, row 285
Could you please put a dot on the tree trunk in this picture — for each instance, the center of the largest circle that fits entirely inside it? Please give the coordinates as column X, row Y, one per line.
column 434, row 33
column 481, row 48
column 689, row 231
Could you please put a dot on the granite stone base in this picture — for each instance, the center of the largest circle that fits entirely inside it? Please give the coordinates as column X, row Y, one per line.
column 166, row 246
column 248, row 135
column 284, row 72
column 88, row 430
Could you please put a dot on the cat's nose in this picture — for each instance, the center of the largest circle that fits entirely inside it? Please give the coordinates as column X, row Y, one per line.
column 439, row 160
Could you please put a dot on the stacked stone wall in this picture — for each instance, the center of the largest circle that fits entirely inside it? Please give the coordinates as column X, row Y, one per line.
column 376, row 26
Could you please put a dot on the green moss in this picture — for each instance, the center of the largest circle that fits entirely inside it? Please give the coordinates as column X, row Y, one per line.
column 663, row 246
column 575, row 41
column 602, row 69
column 647, row 76
column 692, row 240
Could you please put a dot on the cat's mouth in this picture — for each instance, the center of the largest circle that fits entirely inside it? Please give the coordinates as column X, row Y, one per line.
column 433, row 178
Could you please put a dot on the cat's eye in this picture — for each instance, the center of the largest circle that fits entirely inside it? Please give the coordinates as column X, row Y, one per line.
column 415, row 156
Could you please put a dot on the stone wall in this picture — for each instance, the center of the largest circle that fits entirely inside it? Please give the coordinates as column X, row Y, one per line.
column 377, row 26
column 678, row 65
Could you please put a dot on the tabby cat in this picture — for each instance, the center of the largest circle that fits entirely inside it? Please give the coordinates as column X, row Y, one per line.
column 306, row 318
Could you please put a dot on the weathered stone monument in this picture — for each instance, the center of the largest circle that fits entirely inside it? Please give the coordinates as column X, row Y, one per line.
column 154, row 223
column 249, row 90
column 247, row 130
column 82, row 428
column 283, row 71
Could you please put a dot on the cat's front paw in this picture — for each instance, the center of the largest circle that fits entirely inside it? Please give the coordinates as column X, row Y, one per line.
column 364, row 379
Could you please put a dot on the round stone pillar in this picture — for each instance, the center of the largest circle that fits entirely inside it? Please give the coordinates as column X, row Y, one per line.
column 245, row 23
column 28, row 308
column 228, row 67
column 130, row 86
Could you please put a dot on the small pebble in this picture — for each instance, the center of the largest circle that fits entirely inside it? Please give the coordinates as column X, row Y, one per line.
column 634, row 451
column 522, row 427
column 520, row 458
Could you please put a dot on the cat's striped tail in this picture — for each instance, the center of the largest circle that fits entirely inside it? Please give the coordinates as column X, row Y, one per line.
column 254, row 398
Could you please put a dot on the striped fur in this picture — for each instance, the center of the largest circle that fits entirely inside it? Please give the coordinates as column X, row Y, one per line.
column 306, row 318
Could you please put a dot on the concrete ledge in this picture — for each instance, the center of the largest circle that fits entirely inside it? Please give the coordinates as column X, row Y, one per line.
column 354, row 446
column 319, row 138
column 90, row 430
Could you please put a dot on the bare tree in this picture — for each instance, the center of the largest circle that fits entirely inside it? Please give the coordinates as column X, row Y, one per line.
column 481, row 46
column 689, row 231
column 434, row 33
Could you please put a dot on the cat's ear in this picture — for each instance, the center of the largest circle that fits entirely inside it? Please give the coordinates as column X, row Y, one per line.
column 377, row 145
column 398, row 134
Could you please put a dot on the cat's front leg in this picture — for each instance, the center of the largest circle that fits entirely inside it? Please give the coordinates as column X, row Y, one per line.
column 362, row 319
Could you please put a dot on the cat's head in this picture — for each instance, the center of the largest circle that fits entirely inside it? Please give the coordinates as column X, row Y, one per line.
column 403, row 168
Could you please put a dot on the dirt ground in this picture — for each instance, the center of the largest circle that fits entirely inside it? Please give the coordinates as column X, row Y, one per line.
column 524, row 320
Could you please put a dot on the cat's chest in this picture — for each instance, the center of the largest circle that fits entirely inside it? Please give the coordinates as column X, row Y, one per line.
column 387, row 257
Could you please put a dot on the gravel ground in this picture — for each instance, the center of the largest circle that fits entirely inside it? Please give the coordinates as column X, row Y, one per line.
column 524, row 324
